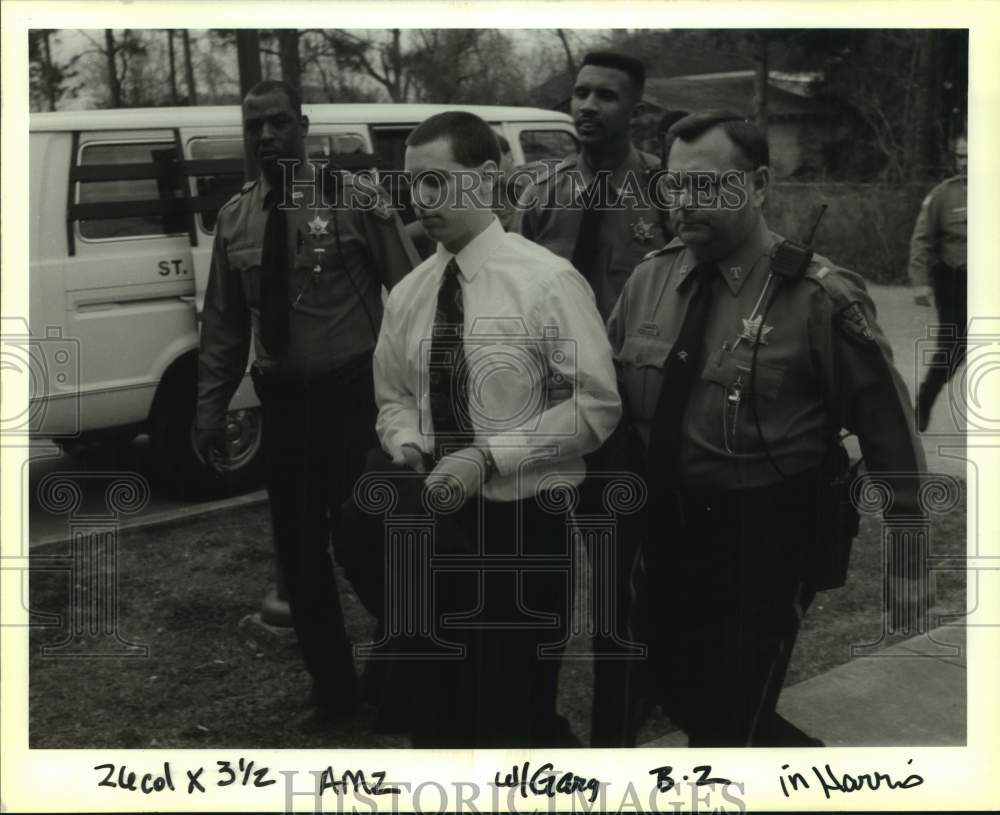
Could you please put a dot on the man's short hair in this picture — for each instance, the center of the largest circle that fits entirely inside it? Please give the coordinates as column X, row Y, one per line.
column 630, row 65
column 749, row 138
column 266, row 86
column 473, row 142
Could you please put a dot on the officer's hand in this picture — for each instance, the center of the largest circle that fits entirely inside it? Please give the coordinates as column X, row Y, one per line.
column 212, row 448
column 410, row 456
column 908, row 602
column 463, row 469
column 922, row 295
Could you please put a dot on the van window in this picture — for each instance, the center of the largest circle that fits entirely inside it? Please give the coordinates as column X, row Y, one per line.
column 542, row 144
column 167, row 187
column 390, row 154
column 390, row 146
column 225, row 185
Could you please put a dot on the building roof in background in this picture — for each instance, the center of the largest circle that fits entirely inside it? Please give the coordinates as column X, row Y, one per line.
column 730, row 91
column 214, row 115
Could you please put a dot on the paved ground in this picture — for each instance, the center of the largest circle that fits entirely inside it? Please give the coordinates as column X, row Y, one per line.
column 910, row 694
column 162, row 507
column 905, row 325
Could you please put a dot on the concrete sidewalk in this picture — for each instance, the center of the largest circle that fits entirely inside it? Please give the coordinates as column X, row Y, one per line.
column 911, row 694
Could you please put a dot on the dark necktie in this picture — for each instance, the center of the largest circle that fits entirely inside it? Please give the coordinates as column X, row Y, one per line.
column 274, row 284
column 680, row 372
column 449, row 393
column 588, row 239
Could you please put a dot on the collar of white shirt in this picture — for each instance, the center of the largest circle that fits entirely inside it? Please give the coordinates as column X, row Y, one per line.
column 475, row 253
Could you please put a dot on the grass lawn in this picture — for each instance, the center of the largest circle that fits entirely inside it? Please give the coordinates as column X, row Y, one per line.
column 216, row 678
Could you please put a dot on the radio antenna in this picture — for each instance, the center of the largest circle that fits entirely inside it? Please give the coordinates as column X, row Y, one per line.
column 812, row 233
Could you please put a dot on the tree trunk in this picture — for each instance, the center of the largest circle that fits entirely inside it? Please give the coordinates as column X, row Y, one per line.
column 114, row 83
column 396, row 68
column 189, row 68
column 291, row 66
column 173, row 66
column 570, row 62
column 49, row 80
column 760, row 83
column 916, row 126
column 248, row 57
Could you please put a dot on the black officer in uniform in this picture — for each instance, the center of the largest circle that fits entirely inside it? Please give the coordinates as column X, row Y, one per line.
column 740, row 360
column 603, row 242
column 299, row 261
column 938, row 267
column 571, row 214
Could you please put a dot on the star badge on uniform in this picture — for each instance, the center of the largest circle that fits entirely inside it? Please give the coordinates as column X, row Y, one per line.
column 317, row 226
column 642, row 231
column 752, row 327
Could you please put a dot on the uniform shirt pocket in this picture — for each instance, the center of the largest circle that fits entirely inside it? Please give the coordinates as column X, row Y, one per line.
column 640, row 362
column 245, row 261
column 726, row 408
column 956, row 221
column 344, row 274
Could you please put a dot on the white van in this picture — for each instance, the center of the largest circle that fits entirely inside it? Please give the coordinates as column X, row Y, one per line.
column 122, row 208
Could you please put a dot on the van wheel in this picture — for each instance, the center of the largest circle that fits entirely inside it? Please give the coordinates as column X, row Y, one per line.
column 182, row 468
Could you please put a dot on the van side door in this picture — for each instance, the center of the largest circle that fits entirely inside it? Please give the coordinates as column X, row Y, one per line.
column 127, row 271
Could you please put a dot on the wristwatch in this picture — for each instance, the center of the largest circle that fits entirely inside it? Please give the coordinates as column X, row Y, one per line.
column 489, row 461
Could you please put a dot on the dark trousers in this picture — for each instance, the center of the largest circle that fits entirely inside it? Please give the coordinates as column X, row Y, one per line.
column 721, row 594
column 316, row 433
column 502, row 692
column 951, row 298
column 612, row 696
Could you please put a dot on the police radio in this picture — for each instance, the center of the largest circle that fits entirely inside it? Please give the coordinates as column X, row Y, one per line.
column 789, row 262
column 791, row 259
column 837, row 518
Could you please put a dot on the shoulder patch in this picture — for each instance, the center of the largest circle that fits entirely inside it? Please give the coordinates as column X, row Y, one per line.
column 676, row 243
column 853, row 323
column 649, row 162
column 552, row 170
column 846, row 291
column 376, row 198
column 249, row 185
column 381, row 209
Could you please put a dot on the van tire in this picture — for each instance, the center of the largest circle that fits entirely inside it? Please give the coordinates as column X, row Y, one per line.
column 176, row 459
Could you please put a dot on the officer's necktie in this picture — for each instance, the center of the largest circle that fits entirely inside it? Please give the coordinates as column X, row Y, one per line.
column 449, row 394
column 680, row 371
column 588, row 239
column 274, row 284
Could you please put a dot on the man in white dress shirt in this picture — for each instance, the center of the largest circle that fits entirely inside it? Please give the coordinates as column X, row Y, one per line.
column 494, row 375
